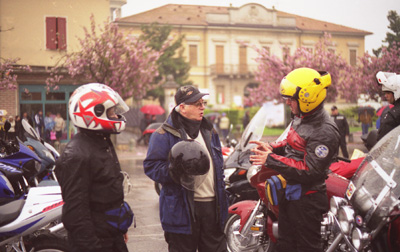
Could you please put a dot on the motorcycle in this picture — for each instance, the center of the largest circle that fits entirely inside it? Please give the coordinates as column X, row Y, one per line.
column 47, row 154
column 30, row 217
column 365, row 221
column 237, row 163
column 365, row 218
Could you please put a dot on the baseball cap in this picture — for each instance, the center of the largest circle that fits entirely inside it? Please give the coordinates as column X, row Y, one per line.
column 188, row 94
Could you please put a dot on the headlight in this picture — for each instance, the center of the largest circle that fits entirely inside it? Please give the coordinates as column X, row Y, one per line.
column 346, row 219
column 336, row 203
column 38, row 166
column 253, row 170
column 359, row 238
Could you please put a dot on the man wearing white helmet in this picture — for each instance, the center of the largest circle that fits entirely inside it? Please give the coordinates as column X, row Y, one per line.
column 391, row 88
column 94, row 213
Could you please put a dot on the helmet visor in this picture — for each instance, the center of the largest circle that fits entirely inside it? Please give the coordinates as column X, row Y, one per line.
column 287, row 88
column 121, row 106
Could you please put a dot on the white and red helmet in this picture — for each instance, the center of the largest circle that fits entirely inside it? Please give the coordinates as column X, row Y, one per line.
column 89, row 106
column 390, row 82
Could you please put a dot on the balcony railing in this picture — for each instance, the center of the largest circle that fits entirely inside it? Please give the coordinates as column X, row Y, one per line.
column 232, row 69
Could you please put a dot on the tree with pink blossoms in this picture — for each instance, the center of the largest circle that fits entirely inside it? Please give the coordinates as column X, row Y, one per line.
column 272, row 69
column 8, row 73
column 110, row 57
column 365, row 71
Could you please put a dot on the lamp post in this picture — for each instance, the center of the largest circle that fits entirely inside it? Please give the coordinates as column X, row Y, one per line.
column 170, row 87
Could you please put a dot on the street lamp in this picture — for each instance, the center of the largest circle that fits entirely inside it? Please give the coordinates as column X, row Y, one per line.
column 170, row 87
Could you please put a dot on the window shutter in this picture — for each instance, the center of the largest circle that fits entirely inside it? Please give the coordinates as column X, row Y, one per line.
column 62, row 33
column 51, row 33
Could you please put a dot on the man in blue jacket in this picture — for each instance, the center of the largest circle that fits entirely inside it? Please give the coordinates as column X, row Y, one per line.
column 191, row 219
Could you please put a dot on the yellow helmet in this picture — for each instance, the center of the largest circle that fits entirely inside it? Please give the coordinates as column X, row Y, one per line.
column 306, row 85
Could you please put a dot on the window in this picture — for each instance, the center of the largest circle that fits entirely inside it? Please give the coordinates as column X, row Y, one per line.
column 285, row 53
column 242, row 59
column 220, row 98
column 219, row 59
column 267, row 50
column 193, row 55
column 56, row 33
column 353, row 57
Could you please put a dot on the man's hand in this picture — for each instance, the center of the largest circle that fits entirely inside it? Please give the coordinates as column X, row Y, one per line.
column 126, row 237
column 260, row 153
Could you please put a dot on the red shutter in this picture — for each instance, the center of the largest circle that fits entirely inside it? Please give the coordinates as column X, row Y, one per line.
column 51, row 33
column 62, row 33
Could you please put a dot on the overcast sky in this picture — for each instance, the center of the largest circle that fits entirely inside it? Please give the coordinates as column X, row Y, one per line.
column 367, row 15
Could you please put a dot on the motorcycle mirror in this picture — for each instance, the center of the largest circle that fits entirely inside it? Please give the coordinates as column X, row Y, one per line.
column 28, row 129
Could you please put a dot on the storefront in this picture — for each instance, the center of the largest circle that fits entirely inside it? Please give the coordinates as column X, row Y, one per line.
column 33, row 98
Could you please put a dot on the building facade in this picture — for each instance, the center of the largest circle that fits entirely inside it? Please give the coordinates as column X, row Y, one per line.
column 39, row 33
column 219, row 42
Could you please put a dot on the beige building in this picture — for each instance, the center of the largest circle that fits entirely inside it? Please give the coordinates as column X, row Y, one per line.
column 219, row 42
column 39, row 33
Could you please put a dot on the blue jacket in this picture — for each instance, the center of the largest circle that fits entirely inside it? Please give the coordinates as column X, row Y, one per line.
column 175, row 201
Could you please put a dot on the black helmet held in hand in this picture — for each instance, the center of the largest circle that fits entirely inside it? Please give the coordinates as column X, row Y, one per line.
column 189, row 163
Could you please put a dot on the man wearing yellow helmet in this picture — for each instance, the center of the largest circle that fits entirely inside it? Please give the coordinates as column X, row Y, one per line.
column 303, row 159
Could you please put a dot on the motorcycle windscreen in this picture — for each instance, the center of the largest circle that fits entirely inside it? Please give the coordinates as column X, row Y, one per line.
column 374, row 190
column 253, row 132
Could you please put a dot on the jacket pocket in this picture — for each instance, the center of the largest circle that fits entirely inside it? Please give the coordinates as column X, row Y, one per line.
column 173, row 211
column 293, row 192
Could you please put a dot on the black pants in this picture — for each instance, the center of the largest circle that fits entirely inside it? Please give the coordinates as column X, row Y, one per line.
column 299, row 224
column 206, row 236
column 343, row 146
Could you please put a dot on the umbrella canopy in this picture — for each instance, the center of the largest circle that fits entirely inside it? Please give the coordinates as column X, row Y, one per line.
column 369, row 110
column 3, row 112
column 152, row 109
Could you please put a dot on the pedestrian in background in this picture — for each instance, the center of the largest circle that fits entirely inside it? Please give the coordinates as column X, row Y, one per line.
column 365, row 115
column 246, row 119
column 48, row 127
column 192, row 218
column 11, row 131
column 39, row 123
column 59, row 126
column 19, row 130
column 2, row 123
column 343, row 127
column 224, row 125
column 27, row 118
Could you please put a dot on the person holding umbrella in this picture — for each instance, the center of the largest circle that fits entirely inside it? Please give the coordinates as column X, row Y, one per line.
column 391, row 88
column 365, row 115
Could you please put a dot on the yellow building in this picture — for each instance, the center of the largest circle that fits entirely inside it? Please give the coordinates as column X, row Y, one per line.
column 218, row 42
column 39, row 33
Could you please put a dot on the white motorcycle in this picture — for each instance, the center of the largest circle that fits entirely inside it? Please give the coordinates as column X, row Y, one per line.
column 30, row 218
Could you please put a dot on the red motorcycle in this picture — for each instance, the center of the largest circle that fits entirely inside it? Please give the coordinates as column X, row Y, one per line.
column 363, row 212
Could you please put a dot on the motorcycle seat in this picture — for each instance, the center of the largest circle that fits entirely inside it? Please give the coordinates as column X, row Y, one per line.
column 10, row 211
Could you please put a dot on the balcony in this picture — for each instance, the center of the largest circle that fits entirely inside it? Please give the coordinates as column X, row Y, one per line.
column 233, row 70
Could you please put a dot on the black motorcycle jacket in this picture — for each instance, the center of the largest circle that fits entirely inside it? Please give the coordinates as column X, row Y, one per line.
column 91, row 183
column 389, row 120
column 306, row 154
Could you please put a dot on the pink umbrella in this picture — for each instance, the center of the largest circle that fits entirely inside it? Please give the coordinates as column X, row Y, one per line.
column 152, row 109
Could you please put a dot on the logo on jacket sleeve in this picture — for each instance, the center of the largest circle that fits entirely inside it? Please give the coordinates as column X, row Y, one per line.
column 321, row 151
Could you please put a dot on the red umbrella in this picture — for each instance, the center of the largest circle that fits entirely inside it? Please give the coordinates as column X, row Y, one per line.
column 152, row 109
